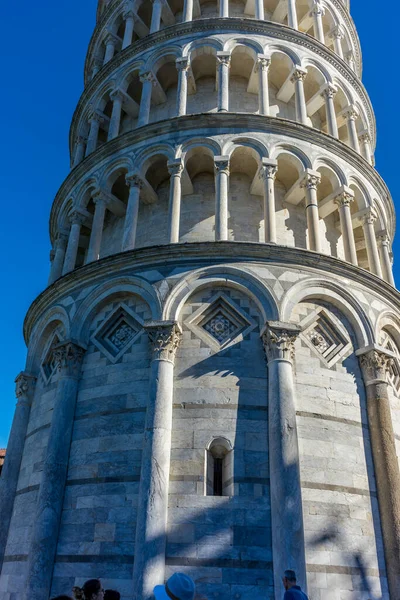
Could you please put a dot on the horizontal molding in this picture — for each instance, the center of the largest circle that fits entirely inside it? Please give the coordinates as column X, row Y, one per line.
column 337, row 488
column 107, row 413
column 311, row 415
column 228, row 563
column 27, row 490
column 35, row 431
column 206, row 405
column 15, row 558
column 340, row 570
column 99, row 480
column 119, row 559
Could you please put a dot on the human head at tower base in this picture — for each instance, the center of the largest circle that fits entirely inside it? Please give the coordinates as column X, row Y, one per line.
column 293, row 591
column 178, row 587
column 91, row 590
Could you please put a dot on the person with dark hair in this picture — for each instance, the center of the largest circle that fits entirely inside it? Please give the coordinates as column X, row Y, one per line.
column 91, row 590
column 62, row 598
column 112, row 595
column 293, row 591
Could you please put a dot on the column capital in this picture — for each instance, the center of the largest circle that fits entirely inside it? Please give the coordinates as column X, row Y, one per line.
column 278, row 339
column 99, row 197
column 111, row 38
column 62, row 238
column 383, row 238
column 165, row 337
column 311, row 180
column 128, row 12
column 268, row 169
column 365, row 137
column 351, row 113
column 147, row 76
column 224, row 58
column 24, row 387
column 68, row 357
column 344, row 198
column 175, row 167
column 337, row 32
column 96, row 115
column 77, row 217
column 375, row 363
column 80, row 139
column 221, row 164
column 182, row 63
column 298, row 74
column 317, row 9
column 369, row 216
column 263, row 62
column 117, row 95
column 328, row 91
column 134, row 180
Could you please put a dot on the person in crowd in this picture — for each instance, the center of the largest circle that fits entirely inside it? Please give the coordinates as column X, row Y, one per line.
column 62, row 598
column 293, row 591
column 112, row 595
column 91, row 590
column 178, row 587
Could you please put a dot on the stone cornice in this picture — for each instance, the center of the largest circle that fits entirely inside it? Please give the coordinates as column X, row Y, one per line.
column 243, row 26
column 218, row 121
column 114, row 7
column 204, row 253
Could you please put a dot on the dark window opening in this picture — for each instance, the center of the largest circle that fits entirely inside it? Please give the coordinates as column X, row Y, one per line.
column 218, row 476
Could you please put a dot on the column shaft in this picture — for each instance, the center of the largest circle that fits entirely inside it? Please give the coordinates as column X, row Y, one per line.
column 188, row 10
column 49, row 504
column 93, row 133
column 25, row 385
column 149, row 567
column 58, row 262
column 375, row 365
column 371, row 244
column 351, row 116
column 337, row 36
column 182, row 65
column 263, row 89
column 115, row 121
column 132, row 212
column 366, row 147
column 292, row 14
column 223, row 62
column 175, row 193
column 286, row 500
column 97, row 230
column 156, row 16
column 79, row 151
column 317, row 14
column 145, row 102
column 110, row 49
column 328, row 95
column 77, row 221
column 385, row 260
column 224, row 8
column 310, row 184
column 298, row 78
column 259, row 10
column 268, row 173
column 221, row 199
column 129, row 27
column 350, row 252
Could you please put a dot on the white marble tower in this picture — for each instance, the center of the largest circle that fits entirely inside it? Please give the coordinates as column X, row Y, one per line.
column 213, row 373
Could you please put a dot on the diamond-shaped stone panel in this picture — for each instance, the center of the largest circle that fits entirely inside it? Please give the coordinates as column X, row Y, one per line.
column 117, row 334
column 49, row 363
column 326, row 336
column 388, row 342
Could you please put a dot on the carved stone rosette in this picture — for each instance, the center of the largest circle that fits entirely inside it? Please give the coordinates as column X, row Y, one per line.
column 279, row 339
column 69, row 357
column 24, row 388
column 165, row 337
column 375, row 365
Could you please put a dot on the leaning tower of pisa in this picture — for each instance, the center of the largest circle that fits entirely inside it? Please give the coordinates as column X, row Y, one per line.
column 213, row 375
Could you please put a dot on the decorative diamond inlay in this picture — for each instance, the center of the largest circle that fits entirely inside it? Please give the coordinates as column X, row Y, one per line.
column 49, row 363
column 220, row 322
column 118, row 333
column 388, row 343
column 326, row 336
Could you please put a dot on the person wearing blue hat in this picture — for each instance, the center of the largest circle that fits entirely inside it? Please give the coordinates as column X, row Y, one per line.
column 178, row 587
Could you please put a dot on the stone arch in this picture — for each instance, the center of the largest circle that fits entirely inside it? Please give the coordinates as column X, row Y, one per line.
column 104, row 294
column 321, row 289
column 232, row 43
column 298, row 155
column 390, row 322
column 143, row 159
column 121, row 163
column 256, row 146
column 54, row 318
column 272, row 48
column 249, row 283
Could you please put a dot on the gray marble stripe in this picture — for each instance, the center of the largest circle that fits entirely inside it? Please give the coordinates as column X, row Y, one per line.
column 96, row 480
column 31, row 488
column 337, row 488
column 341, row 570
column 242, row 407
column 16, row 558
column 34, row 431
column 232, row 563
column 302, row 413
column 95, row 558
column 106, row 413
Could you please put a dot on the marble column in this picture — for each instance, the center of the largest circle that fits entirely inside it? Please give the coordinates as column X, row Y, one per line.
column 317, row 12
column 223, row 66
column 148, row 81
column 298, row 78
column 292, row 14
column 110, row 41
column 368, row 221
column 224, row 8
column 96, row 119
column 182, row 65
column 310, row 183
column 156, row 16
column 135, row 184
column 25, row 387
column 188, row 10
column 117, row 98
column 284, row 463
column 350, row 60
column 375, row 365
column 259, row 10
column 351, row 115
column 77, row 219
column 149, row 566
column 68, row 356
column 263, row 64
column 175, row 192
column 59, row 256
column 97, row 64
column 365, row 140
column 343, row 200
column 97, row 228
column 80, row 145
column 268, row 172
column 328, row 94
column 337, row 35
column 384, row 251
column 221, row 197
column 129, row 27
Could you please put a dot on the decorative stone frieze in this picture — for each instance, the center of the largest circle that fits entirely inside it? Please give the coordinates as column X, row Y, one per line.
column 68, row 358
column 279, row 340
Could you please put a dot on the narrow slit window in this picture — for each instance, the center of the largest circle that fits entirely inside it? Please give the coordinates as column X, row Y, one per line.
column 219, row 468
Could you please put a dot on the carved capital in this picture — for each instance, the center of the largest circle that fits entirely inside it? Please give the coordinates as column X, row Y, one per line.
column 263, row 63
column 343, row 199
column 279, row 339
column 80, row 139
column 337, row 33
column 383, row 239
column 24, row 388
column 310, row 181
column 147, row 77
column 268, row 172
column 134, row 180
column 224, row 59
column 77, row 218
column 110, row 38
column 298, row 75
column 165, row 337
column 365, row 138
column 369, row 217
column 117, row 95
column 62, row 239
column 96, row 116
column 68, row 357
column 351, row 113
column 317, row 9
column 175, row 168
column 375, row 365
column 222, row 166
column 329, row 91
column 182, row 64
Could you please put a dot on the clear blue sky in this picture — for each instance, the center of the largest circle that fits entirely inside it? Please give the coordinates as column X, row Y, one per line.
column 42, row 49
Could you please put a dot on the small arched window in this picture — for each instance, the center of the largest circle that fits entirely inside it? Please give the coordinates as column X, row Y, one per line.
column 219, row 468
